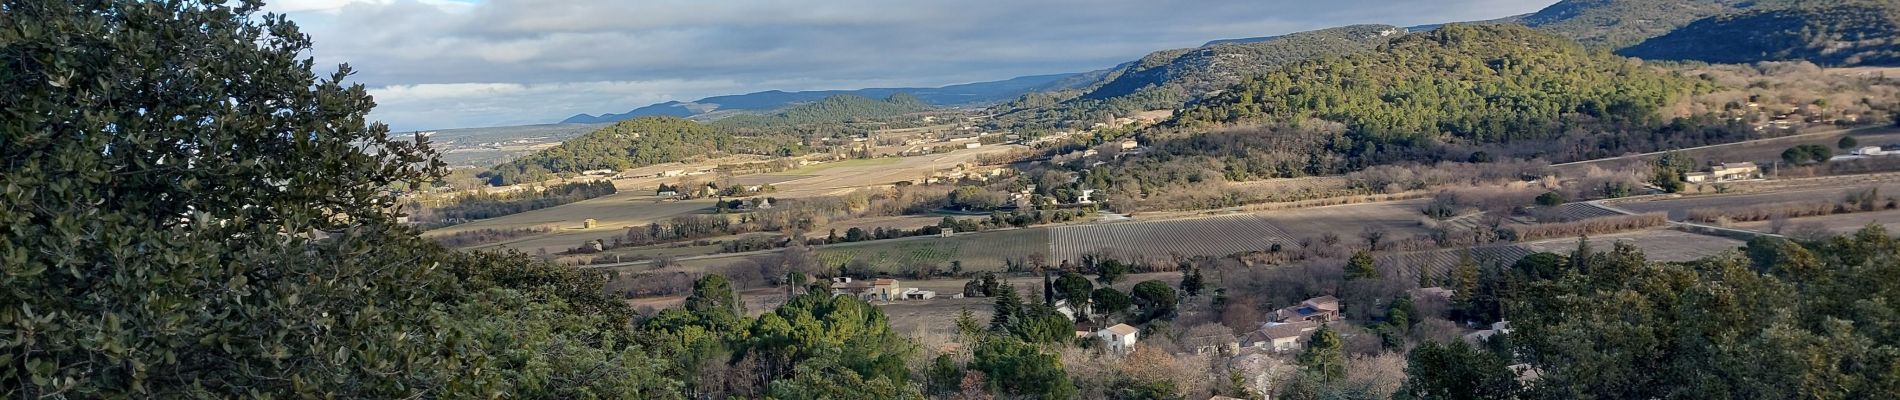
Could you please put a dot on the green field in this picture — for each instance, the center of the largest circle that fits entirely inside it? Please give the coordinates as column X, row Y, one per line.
column 978, row 251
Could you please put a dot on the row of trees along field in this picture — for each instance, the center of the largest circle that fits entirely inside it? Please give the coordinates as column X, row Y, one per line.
column 640, row 142
column 489, row 205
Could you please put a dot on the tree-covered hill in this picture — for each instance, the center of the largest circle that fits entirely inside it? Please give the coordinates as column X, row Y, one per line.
column 639, row 142
column 1619, row 23
column 1832, row 33
column 835, row 109
column 1166, row 79
column 1487, row 83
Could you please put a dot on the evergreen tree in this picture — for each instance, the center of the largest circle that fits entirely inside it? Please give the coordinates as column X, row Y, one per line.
column 1325, row 356
column 1360, row 266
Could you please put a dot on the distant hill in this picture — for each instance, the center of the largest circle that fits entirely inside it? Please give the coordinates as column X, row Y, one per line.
column 1190, row 73
column 1852, row 33
column 1482, row 83
column 1169, row 78
column 760, row 102
column 833, row 110
column 1619, row 23
column 639, row 142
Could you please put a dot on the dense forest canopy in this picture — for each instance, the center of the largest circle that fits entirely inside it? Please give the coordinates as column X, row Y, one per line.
column 1831, row 33
column 639, row 142
column 1480, row 84
column 1167, row 79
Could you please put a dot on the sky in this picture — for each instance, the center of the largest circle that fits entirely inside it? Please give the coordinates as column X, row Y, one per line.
column 436, row 64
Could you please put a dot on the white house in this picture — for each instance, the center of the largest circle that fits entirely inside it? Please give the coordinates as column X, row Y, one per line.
column 1084, row 197
column 1119, row 338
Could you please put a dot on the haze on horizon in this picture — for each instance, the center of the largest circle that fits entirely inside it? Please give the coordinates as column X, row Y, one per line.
column 435, row 64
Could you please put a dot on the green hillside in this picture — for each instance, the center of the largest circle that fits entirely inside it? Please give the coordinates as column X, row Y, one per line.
column 1832, row 33
column 1473, row 83
column 638, row 142
column 1169, row 78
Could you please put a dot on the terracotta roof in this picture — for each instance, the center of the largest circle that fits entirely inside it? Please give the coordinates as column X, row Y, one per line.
column 1282, row 331
column 1328, row 303
column 884, row 282
column 1121, row 329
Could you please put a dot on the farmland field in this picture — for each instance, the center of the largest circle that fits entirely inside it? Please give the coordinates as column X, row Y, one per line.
column 1837, row 223
column 1398, row 218
column 1657, row 244
column 1214, row 236
column 1438, row 262
column 1678, row 208
column 1762, row 150
column 977, row 251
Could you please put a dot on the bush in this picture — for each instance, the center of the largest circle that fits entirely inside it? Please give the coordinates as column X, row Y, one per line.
column 1551, row 199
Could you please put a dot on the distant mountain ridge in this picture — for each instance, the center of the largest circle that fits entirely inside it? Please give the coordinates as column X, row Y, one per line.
column 771, row 100
column 1846, row 33
column 835, row 109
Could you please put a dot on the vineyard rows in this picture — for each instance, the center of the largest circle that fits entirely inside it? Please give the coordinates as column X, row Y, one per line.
column 1438, row 262
column 1218, row 236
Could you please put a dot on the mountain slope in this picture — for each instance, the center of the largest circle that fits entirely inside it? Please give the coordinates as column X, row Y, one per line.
column 1187, row 73
column 1169, row 78
column 952, row 95
column 1832, row 34
column 1619, row 23
column 1474, row 83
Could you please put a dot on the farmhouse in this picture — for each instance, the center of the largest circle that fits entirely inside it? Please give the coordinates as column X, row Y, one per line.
column 1317, row 309
column 881, row 289
column 1481, row 336
column 1119, row 338
column 1280, row 337
column 1130, row 144
column 1724, row 172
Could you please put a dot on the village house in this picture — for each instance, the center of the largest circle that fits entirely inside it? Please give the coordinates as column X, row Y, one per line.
column 1318, row 309
column 1724, row 172
column 1119, row 338
column 1130, row 144
column 881, row 289
column 1280, row 337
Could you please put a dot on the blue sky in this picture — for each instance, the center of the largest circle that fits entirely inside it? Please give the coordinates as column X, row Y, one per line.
column 459, row 63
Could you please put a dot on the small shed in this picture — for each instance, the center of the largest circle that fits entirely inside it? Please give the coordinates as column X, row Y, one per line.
column 590, row 223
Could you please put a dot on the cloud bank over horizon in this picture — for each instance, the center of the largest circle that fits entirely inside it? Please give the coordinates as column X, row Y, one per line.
column 436, row 64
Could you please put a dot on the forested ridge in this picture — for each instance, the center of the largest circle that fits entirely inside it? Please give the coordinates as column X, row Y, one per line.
column 1477, row 84
column 640, row 142
column 1167, row 79
column 1831, row 33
